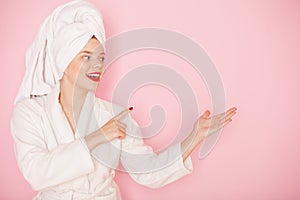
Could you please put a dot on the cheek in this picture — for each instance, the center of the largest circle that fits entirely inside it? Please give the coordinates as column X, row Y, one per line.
column 73, row 69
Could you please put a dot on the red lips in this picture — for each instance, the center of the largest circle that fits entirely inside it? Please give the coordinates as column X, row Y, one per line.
column 94, row 76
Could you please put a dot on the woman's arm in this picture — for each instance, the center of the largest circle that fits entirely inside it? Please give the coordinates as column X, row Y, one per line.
column 157, row 170
column 148, row 168
column 111, row 130
column 204, row 127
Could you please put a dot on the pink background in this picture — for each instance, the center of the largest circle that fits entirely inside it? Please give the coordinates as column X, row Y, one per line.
column 255, row 46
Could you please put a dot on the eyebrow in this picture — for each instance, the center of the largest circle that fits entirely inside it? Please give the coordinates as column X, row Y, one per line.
column 90, row 52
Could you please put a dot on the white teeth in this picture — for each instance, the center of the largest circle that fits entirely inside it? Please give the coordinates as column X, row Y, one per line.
column 93, row 75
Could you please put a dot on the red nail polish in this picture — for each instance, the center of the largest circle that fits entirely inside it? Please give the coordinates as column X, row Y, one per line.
column 131, row 108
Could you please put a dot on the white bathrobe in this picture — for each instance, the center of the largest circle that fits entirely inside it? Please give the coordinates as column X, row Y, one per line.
column 58, row 164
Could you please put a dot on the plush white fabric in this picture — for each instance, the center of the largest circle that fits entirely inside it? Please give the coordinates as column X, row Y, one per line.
column 58, row 164
column 61, row 36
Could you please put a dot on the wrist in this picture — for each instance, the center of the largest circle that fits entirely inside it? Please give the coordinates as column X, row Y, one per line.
column 89, row 142
column 190, row 143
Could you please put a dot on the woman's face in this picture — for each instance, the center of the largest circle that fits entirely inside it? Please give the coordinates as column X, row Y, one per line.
column 87, row 67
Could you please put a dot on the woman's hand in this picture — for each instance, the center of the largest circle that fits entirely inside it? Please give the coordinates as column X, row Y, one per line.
column 204, row 127
column 113, row 129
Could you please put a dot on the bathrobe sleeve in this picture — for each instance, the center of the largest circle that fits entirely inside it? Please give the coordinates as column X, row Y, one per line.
column 40, row 167
column 148, row 168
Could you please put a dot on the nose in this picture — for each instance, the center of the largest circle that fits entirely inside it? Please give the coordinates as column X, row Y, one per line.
column 98, row 67
column 98, row 64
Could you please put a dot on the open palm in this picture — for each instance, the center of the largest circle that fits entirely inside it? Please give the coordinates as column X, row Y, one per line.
column 207, row 125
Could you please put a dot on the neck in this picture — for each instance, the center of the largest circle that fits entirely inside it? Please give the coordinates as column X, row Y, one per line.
column 71, row 98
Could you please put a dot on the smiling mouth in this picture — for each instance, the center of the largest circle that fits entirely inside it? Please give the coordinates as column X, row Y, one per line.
column 94, row 76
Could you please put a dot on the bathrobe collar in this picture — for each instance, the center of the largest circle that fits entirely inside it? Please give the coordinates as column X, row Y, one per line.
column 60, row 124
column 93, row 115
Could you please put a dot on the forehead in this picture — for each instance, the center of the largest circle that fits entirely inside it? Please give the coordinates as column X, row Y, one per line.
column 93, row 45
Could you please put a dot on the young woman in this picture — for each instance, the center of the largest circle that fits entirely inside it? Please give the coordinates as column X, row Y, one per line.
column 68, row 142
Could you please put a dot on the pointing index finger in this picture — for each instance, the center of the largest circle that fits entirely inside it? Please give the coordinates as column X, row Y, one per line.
column 123, row 113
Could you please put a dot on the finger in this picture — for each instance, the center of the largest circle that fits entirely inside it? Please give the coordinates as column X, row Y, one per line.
column 120, row 124
column 211, row 121
column 227, row 122
column 205, row 114
column 230, row 115
column 122, row 129
column 216, row 127
column 123, row 113
column 222, row 124
column 233, row 109
column 121, row 134
column 223, row 118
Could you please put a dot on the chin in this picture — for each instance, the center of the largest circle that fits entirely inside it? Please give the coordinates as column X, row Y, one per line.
column 87, row 87
column 92, row 88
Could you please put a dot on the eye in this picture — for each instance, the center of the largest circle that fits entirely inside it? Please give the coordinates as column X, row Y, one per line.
column 102, row 59
column 86, row 57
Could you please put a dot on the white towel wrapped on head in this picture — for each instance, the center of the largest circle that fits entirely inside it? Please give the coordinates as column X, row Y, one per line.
column 60, row 38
